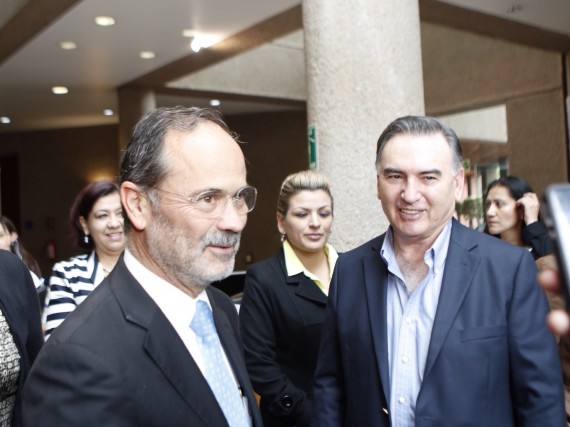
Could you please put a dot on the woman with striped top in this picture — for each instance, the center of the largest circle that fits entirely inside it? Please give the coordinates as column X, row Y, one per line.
column 97, row 225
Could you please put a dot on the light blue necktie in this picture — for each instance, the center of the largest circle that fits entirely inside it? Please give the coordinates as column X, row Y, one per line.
column 216, row 372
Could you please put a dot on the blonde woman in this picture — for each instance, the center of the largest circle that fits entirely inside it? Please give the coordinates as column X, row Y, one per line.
column 284, row 301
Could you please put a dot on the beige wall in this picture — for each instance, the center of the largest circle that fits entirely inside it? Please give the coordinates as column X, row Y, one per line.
column 464, row 71
column 537, row 138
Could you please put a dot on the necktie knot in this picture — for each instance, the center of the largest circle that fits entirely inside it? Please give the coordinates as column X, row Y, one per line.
column 203, row 321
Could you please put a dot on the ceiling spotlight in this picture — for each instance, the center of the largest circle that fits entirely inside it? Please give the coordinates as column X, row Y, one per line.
column 68, row 45
column 108, row 112
column 147, row 54
column 59, row 90
column 105, row 21
column 5, row 120
column 188, row 33
column 215, row 102
column 196, row 45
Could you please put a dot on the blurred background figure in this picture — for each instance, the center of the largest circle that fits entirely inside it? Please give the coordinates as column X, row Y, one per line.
column 96, row 221
column 284, row 301
column 7, row 227
column 20, row 333
column 512, row 213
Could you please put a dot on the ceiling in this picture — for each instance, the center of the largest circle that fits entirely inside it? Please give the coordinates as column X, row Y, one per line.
column 107, row 58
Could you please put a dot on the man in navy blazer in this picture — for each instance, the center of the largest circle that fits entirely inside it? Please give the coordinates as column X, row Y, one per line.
column 431, row 323
column 128, row 355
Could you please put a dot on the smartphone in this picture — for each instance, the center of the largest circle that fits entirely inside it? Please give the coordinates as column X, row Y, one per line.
column 557, row 220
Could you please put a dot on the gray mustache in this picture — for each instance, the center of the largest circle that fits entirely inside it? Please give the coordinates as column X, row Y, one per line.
column 223, row 239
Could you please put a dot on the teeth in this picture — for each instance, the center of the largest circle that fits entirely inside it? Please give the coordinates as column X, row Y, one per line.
column 409, row 211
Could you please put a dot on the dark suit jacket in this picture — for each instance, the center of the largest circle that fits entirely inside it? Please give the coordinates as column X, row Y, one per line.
column 117, row 361
column 491, row 359
column 281, row 319
column 20, row 306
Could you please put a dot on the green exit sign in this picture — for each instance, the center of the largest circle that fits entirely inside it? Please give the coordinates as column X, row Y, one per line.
column 312, row 146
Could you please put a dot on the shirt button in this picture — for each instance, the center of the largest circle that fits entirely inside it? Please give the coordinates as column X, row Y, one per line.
column 402, row 399
column 404, row 359
column 408, row 320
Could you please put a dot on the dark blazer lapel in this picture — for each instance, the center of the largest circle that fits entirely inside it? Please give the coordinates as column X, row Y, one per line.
column 306, row 288
column 460, row 267
column 375, row 281
column 165, row 347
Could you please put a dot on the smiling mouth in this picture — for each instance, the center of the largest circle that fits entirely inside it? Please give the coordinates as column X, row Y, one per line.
column 410, row 211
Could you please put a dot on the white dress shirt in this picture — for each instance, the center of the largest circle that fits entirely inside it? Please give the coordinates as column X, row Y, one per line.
column 410, row 317
column 177, row 306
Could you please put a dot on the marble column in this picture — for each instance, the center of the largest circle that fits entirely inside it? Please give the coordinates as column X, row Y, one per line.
column 364, row 69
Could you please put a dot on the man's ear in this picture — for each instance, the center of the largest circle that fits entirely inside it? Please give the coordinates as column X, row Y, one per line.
column 135, row 204
column 378, row 187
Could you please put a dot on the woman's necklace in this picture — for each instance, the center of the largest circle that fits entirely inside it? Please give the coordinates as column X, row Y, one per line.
column 106, row 270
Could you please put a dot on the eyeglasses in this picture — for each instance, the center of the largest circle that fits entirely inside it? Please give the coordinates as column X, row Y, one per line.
column 212, row 204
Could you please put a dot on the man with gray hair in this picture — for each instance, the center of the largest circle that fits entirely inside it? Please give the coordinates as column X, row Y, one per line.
column 154, row 344
column 432, row 323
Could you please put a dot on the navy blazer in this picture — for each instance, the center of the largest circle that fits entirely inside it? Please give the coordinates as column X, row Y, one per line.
column 491, row 359
column 21, row 309
column 281, row 319
column 117, row 361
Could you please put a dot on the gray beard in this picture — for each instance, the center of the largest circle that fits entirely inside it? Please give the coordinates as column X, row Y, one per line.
column 181, row 258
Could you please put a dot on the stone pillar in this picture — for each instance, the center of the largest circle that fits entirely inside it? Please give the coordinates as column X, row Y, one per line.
column 133, row 104
column 364, row 69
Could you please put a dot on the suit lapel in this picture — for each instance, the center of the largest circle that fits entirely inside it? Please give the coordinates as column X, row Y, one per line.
column 306, row 288
column 181, row 370
column 375, row 280
column 165, row 347
column 460, row 268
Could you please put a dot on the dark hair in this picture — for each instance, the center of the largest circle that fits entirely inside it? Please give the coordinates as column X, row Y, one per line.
column 18, row 249
column 142, row 162
column 515, row 185
column 83, row 205
column 420, row 125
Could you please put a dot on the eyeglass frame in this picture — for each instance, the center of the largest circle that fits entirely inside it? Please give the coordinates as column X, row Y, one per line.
column 192, row 200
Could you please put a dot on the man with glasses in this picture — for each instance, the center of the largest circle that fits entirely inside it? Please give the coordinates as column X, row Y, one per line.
column 154, row 344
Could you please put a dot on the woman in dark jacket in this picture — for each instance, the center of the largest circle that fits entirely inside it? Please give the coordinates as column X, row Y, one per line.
column 512, row 213
column 284, row 301
column 20, row 334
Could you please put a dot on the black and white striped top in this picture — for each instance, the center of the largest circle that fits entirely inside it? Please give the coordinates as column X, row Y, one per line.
column 70, row 283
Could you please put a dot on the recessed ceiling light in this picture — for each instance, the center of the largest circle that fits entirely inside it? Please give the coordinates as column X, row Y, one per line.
column 68, row 45
column 147, row 54
column 108, row 112
column 215, row 102
column 5, row 120
column 195, row 45
column 105, row 21
column 188, row 33
column 59, row 90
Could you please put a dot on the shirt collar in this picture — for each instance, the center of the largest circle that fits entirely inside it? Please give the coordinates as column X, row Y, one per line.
column 176, row 305
column 294, row 266
column 438, row 251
